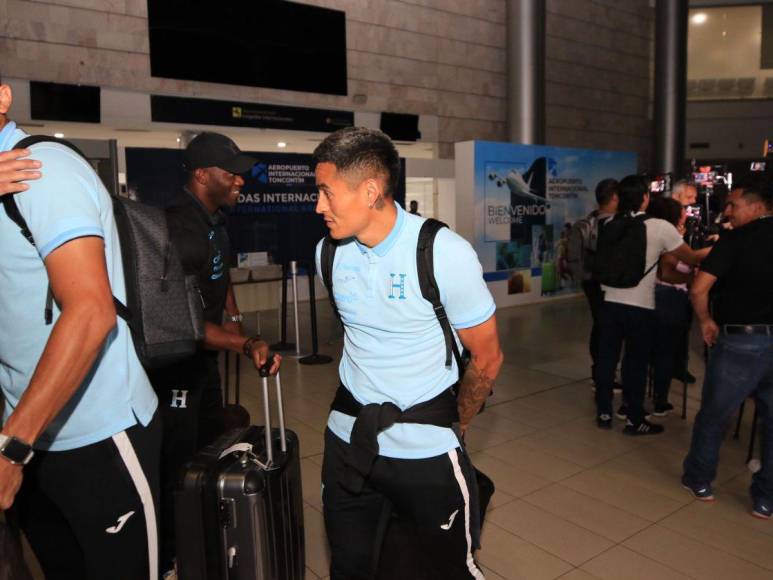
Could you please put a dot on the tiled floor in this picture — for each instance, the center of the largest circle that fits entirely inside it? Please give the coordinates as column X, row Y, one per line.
column 572, row 502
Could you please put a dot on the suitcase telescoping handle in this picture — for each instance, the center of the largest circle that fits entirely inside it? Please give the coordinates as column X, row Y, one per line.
column 264, row 371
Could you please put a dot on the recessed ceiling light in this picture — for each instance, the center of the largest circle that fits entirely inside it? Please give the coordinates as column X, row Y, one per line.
column 281, row 144
column 699, row 18
column 59, row 135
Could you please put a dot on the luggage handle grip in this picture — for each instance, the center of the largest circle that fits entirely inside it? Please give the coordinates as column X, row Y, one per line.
column 244, row 447
column 264, row 373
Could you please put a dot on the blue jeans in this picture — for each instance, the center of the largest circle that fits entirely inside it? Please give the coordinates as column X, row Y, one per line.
column 738, row 365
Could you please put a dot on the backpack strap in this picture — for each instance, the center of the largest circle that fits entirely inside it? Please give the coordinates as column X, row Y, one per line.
column 643, row 218
column 429, row 287
column 326, row 259
column 12, row 210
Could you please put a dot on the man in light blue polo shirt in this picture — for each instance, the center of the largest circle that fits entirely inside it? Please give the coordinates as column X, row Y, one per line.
column 393, row 367
column 79, row 448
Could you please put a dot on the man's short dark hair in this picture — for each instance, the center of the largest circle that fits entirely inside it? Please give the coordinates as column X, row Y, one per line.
column 631, row 192
column 760, row 189
column 667, row 209
column 358, row 149
column 605, row 190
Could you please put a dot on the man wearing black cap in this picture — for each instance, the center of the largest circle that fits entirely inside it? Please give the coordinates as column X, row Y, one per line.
column 189, row 392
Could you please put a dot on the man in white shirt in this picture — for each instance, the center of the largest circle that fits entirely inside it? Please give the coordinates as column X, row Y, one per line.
column 628, row 316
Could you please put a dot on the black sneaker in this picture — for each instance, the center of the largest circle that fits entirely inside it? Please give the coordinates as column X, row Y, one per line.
column 699, row 492
column 604, row 421
column 643, row 428
column 763, row 509
column 662, row 409
column 622, row 412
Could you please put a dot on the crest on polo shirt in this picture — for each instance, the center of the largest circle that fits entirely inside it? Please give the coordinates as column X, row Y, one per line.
column 397, row 286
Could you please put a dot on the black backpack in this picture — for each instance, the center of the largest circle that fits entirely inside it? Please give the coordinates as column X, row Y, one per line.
column 621, row 252
column 427, row 283
column 163, row 309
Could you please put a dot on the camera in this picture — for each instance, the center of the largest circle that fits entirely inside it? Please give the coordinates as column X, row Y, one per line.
column 713, row 183
column 660, row 185
column 698, row 231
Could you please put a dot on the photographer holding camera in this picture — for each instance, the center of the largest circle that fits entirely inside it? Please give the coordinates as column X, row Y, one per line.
column 740, row 334
column 684, row 192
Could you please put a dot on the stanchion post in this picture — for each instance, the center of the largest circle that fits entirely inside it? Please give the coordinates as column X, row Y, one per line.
column 294, row 274
column 283, row 344
column 314, row 358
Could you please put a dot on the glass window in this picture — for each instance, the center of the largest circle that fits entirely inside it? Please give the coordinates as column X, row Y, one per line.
column 724, row 54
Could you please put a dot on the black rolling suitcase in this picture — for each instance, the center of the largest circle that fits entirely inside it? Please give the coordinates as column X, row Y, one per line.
column 239, row 506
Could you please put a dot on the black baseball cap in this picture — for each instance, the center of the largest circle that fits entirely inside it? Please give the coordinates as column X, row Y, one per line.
column 216, row 150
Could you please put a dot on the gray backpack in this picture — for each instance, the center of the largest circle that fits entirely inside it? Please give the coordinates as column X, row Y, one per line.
column 164, row 309
column 581, row 249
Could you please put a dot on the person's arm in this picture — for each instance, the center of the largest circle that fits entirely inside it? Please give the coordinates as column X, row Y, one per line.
column 231, row 309
column 699, row 295
column 483, row 343
column 689, row 256
column 217, row 337
column 668, row 272
column 78, row 277
column 14, row 171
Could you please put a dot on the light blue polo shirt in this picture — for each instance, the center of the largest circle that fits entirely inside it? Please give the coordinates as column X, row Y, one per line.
column 394, row 348
column 68, row 202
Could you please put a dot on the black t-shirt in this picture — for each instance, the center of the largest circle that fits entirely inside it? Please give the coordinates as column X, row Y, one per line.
column 202, row 242
column 742, row 261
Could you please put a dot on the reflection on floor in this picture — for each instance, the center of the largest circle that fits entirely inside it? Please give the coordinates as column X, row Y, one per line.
column 572, row 501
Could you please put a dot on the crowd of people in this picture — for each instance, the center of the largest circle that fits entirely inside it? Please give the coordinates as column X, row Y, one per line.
column 727, row 285
column 91, row 444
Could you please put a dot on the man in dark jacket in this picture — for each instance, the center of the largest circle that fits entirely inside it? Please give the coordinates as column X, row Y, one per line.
column 189, row 392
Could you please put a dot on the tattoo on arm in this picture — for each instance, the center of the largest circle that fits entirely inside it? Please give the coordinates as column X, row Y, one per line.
column 473, row 391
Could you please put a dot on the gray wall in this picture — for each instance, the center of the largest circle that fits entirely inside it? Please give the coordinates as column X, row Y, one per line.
column 443, row 58
column 598, row 92
column 732, row 129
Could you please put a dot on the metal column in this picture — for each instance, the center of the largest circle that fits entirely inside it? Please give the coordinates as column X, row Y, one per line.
column 670, row 84
column 526, row 71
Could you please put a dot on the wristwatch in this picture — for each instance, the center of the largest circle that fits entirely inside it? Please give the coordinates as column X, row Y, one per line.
column 15, row 450
column 235, row 318
column 249, row 344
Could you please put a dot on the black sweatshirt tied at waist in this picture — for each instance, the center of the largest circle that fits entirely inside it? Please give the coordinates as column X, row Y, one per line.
column 371, row 419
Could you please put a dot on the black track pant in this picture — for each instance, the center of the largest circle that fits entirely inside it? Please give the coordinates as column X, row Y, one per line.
column 434, row 493
column 90, row 513
column 595, row 296
column 191, row 403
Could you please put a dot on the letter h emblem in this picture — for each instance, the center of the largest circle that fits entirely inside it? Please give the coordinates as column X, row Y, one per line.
column 400, row 286
column 179, row 398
